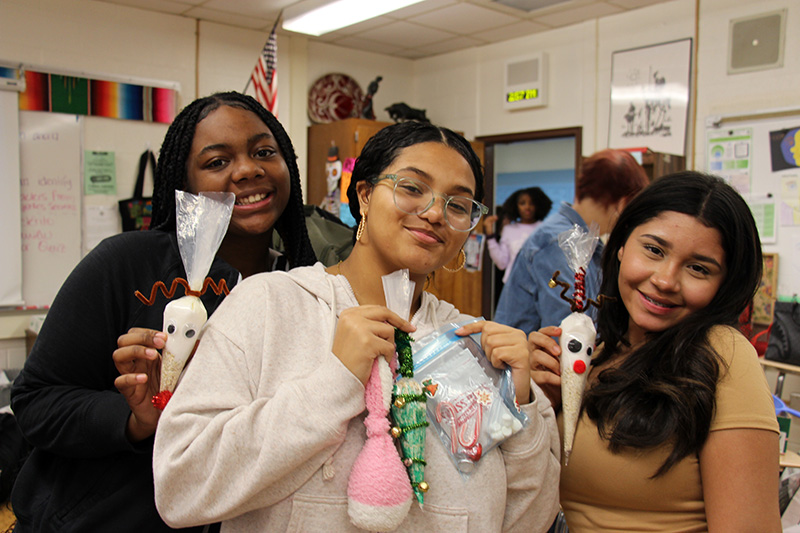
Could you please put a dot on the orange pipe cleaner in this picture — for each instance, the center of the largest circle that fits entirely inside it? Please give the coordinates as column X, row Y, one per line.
column 217, row 288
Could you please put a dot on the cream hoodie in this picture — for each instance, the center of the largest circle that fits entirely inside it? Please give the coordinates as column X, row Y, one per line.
column 266, row 423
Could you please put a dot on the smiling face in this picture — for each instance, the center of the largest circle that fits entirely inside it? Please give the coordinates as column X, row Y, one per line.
column 234, row 151
column 421, row 243
column 670, row 267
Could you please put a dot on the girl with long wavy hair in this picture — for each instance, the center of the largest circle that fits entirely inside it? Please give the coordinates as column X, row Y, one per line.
column 677, row 430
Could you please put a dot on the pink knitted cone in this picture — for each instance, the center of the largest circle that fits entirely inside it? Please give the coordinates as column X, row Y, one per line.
column 379, row 492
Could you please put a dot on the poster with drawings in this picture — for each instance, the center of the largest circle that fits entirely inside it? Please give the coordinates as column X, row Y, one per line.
column 650, row 97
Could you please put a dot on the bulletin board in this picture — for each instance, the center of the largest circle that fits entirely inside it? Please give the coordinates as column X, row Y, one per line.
column 759, row 154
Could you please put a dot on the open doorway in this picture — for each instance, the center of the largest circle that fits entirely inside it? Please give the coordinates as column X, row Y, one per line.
column 547, row 159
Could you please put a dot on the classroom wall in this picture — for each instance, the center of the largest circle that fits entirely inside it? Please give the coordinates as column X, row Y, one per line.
column 460, row 90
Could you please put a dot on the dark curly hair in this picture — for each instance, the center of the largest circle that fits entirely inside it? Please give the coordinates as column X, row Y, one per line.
column 170, row 172
column 664, row 392
column 540, row 200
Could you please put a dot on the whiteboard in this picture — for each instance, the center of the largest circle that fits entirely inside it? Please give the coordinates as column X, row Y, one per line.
column 762, row 182
column 11, row 262
column 50, row 192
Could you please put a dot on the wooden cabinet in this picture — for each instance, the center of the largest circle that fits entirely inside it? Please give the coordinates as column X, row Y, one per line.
column 657, row 164
column 349, row 135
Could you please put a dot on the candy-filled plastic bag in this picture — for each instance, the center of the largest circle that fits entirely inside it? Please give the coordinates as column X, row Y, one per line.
column 471, row 404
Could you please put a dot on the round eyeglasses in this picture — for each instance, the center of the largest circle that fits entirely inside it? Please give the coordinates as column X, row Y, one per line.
column 415, row 197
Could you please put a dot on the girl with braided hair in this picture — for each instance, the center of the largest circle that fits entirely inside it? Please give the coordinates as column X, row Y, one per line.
column 84, row 397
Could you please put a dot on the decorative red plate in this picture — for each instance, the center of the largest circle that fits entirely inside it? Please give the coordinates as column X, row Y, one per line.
column 334, row 97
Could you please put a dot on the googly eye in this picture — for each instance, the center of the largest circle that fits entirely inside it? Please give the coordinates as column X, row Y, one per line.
column 171, row 329
column 189, row 333
column 574, row 345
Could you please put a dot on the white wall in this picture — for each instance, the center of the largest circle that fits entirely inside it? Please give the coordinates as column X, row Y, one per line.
column 461, row 90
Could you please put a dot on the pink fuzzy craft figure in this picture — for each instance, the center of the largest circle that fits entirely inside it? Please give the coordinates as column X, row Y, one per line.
column 379, row 492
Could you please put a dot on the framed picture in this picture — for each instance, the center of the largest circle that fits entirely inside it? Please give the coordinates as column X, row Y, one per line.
column 650, row 97
column 767, row 293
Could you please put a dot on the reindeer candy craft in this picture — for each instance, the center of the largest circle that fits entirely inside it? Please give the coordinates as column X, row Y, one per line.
column 201, row 223
column 578, row 333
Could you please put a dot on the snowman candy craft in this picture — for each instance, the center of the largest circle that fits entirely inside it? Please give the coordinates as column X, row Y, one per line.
column 578, row 333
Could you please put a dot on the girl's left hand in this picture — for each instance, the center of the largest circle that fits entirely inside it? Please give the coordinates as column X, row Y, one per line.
column 505, row 345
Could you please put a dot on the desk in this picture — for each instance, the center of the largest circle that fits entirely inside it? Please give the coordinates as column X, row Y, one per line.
column 790, row 459
column 782, row 369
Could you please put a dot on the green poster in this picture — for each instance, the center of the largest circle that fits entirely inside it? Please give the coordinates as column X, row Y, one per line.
column 99, row 173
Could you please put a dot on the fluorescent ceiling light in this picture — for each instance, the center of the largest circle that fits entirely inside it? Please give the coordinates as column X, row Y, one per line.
column 334, row 15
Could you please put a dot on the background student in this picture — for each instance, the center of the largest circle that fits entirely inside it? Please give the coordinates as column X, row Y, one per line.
column 606, row 183
column 269, row 418
column 678, row 430
column 91, row 466
column 522, row 213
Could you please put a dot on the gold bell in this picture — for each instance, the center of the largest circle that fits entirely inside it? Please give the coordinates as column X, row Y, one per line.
column 551, row 283
column 396, row 432
column 399, row 402
column 423, row 486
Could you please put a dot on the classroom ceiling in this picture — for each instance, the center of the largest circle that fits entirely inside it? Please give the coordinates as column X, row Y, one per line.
column 428, row 28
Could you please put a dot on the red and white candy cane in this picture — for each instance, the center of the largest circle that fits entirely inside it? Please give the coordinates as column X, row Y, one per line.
column 451, row 411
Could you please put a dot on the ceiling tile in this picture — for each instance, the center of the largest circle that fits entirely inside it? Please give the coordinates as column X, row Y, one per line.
column 366, row 25
column 576, row 15
column 403, row 34
column 463, row 19
column 254, row 23
column 365, row 44
column 249, row 8
column 512, row 31
column 165, row 6
column 451, row 45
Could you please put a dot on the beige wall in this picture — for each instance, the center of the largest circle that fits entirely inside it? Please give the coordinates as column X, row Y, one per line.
column 461, row 90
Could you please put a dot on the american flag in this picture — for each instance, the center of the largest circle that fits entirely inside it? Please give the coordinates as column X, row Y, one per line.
column 265, row 75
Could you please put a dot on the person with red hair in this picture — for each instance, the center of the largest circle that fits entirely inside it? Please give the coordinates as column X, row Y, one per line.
column 608, row 180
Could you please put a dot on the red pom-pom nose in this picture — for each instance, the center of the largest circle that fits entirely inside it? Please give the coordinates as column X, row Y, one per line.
column 579, row 367
column 160, row 400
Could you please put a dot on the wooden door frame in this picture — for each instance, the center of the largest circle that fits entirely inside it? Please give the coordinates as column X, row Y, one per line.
column 489, row 142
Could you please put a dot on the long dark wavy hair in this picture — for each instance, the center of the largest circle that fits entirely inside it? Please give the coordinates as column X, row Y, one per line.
column 171, row 175
column 664, row 392
column 540, row 200
column 384, row 147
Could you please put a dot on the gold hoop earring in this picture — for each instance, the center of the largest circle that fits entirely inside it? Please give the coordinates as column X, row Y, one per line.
column 463, row 256
column 361, row 224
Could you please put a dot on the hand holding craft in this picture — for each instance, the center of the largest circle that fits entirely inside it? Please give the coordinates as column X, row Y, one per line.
column 505, row 345
column 364, row 333
column 138, row 362
column 546, row 362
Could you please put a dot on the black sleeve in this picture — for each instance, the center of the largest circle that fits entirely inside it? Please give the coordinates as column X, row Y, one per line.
column 65, row 399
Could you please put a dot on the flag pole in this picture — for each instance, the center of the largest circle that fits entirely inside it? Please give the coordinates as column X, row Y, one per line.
column 274, row 27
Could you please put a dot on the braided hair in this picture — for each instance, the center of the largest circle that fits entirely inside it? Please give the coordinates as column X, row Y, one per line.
column 170, row 174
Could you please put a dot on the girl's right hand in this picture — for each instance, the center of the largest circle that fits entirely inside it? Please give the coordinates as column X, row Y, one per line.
column 364, row 333
column 488, row 224
column 546, row 362
column 139, row 364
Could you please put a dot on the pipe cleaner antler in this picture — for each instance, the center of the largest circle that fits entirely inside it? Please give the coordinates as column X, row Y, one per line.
column 577, row 330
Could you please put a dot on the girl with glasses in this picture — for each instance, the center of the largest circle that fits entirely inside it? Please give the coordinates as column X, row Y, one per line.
column 263, row 431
